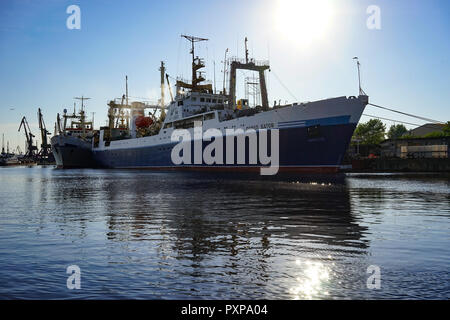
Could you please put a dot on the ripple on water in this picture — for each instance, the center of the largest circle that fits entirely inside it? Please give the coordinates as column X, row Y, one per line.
column 139, row 234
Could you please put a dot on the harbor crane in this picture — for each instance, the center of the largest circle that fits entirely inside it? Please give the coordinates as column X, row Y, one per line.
column 45, row 151
column 31, row 148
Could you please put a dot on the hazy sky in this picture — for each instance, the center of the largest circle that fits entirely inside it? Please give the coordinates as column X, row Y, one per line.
column 310, row 44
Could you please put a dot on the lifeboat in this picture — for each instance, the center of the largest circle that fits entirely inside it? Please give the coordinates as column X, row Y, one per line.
column 143, row 122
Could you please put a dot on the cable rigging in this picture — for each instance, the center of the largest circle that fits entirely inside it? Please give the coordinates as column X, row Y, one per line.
column 404, row 113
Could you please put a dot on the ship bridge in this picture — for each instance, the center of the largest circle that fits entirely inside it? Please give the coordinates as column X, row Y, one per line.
column 200, row 98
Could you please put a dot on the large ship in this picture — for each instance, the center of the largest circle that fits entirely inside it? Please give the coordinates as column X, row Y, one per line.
column 202, row 129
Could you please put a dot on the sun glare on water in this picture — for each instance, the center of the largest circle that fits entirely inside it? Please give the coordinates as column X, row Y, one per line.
column 310, row 283
column 303, row 22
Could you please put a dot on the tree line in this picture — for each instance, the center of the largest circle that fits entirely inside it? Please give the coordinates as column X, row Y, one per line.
column 374, row 132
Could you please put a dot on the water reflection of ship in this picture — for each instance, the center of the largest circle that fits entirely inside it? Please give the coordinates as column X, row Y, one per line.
column 231, row 217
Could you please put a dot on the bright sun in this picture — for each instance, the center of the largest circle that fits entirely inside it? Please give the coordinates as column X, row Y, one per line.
column 303, row 22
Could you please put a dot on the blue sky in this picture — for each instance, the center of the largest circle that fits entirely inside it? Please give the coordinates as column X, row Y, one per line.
column 405, row 64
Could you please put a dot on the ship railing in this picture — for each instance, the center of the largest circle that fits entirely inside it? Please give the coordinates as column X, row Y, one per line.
column 131, row 100
column 189, row 81
column 259, row 63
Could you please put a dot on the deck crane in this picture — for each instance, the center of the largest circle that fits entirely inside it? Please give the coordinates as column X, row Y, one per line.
column 45, row 151
column 31, row 148
column 170, row 89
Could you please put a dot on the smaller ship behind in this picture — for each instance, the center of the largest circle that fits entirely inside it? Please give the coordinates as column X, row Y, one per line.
column 72, row 145
column 8, row 158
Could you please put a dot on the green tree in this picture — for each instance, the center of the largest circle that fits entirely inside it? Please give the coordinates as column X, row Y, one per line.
column 446, row 129
column 396, row 131
column 371, row 132
column 435, row 134
column 444, row 132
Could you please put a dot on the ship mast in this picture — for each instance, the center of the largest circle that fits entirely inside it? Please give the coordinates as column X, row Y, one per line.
column 162, row 69
column 197, row 64
column 82, row 116
column 252, row 65
column 126, row 89
column 225, row 72
column 193, row 40
column 82, row 98
column 246, row 50
column 358, row 65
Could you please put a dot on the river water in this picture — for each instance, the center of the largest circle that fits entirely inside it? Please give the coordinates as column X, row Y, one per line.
column 173, row 235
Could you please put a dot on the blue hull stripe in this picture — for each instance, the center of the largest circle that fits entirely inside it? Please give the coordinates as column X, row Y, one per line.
column 331, row 121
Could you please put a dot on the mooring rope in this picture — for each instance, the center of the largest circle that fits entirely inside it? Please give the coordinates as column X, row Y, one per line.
column 406, row 114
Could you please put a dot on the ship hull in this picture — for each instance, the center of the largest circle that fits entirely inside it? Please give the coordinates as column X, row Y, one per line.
column 9, row 162
column 297, row 153
column 72, row 152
